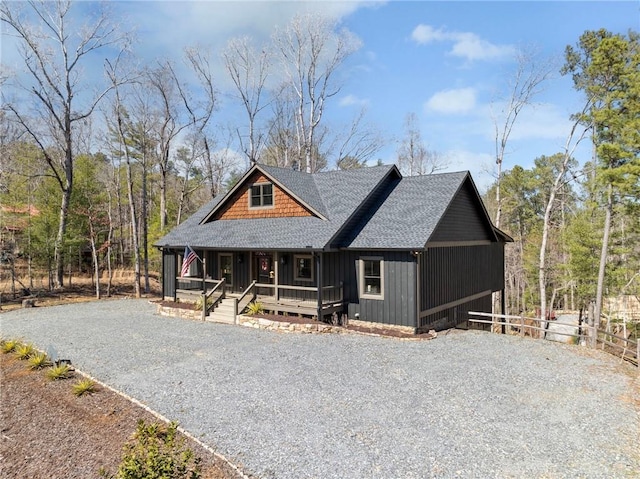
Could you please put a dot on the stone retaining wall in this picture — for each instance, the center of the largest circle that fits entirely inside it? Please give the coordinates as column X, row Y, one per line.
column 178, row 312
column 285, row 326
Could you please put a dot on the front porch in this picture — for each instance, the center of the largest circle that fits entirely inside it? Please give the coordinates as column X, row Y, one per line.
column 282, row 300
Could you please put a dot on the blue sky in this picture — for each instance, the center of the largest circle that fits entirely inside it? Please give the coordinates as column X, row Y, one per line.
column 447, row 62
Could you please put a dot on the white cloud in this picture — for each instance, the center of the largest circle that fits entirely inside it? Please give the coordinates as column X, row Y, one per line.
column 466, row 45
column 461, row 100
column 424, row 34
column 351, row 100
column 539, row 121
column 471, row 47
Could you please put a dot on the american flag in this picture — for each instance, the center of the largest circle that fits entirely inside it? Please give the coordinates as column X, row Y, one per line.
column 189, row 257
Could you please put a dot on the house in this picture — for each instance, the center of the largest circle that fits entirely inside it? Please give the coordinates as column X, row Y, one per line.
column 411, row 252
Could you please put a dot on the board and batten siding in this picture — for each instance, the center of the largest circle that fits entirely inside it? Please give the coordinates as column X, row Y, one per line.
column 169, row 273
column 456, row 279
column 399, row 304
column 464, row 219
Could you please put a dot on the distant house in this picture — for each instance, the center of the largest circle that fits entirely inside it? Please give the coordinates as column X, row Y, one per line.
column 416, row 252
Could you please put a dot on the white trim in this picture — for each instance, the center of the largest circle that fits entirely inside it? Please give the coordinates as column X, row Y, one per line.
column 364, row 294
column 453, row 304
column 295, row 267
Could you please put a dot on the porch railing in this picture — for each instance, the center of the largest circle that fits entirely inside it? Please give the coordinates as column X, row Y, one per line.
column 331, row 294
column 219, row 288
column 245, row 298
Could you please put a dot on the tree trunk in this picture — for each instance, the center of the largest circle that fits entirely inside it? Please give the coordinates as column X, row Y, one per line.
column 62, row 229
column 603, row 256
column 145, row 227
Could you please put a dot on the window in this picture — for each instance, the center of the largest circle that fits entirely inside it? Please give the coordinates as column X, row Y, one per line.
column 303, row 268
column 261, row 195
column 371, row 278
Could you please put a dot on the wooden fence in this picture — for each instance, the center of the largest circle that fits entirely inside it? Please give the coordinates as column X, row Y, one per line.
column 624, row 348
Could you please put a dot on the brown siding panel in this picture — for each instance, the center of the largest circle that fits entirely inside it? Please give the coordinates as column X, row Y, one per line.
column 237, row 206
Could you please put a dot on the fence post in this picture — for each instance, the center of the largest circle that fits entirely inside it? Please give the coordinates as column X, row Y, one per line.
column 204, row 306
column 522, row 325
column 638, row 352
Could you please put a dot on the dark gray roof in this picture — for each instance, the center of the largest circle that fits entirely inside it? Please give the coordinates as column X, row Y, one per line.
column 302, row 185
column 410, row 213
column 367, row 208
column 335, row 194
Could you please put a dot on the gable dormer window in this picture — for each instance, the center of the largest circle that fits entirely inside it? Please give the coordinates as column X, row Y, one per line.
column 261, row 195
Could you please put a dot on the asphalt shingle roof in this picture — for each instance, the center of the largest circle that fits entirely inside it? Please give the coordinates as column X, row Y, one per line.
column 336, row 195
column 381, row 209
column 410, row 214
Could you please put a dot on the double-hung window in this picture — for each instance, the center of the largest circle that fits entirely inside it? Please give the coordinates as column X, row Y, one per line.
column 371, row 276
column 303, row 267
column 261, row 195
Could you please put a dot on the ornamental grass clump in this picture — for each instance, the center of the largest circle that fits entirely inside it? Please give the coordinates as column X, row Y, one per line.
column 25, row 351
column 9, row 345
column 38, row 360
column 61, row 371
column 84, row 386
column 255, row 308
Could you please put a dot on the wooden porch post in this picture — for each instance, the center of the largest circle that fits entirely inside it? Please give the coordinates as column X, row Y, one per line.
column 276, row 271
column 163, row 274
column 319, row 261
column 175, row 274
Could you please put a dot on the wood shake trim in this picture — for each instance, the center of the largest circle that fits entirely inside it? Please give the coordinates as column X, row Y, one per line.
column 238, row 205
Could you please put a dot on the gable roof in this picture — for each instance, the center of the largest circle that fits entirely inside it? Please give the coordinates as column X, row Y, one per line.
column 366, row 208
column 299, row 186
column 411, row 212
column 333, row 196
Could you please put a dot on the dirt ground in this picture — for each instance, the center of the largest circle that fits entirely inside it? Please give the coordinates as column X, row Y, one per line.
column 46, row 432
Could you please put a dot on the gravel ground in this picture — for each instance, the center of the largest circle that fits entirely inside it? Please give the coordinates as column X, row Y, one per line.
column 470, row 404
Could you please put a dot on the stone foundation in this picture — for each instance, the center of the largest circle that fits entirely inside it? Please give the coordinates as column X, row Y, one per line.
column 285, row 326
column 178, row 312
column 372, row 325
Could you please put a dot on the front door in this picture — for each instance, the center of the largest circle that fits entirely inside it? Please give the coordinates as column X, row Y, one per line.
column 225, row 260
column 263, row 272
column 264, row 268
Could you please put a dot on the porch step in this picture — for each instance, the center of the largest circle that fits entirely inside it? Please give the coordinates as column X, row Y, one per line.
column 223, row 312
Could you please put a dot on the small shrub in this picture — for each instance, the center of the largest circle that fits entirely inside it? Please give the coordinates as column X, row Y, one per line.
column 62, row 371
column 198, row 304
column 9, row 345
column 255, row 308
column 157, row 452
column 84, row 386
column 25, row 351
column 39, row 361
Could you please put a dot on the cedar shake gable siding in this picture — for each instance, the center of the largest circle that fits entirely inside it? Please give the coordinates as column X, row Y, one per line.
column 237, row 206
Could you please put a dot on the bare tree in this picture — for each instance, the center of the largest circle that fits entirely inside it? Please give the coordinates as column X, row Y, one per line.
column 573, row 140
column 120, row 127
column 54, row 51
column 282, row 146
column 358, row 144
column 523, row 86
column 414, row 158
column 249, row 70
column 311, row 52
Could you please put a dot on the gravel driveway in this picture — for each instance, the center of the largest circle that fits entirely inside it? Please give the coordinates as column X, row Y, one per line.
column 468, row 404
